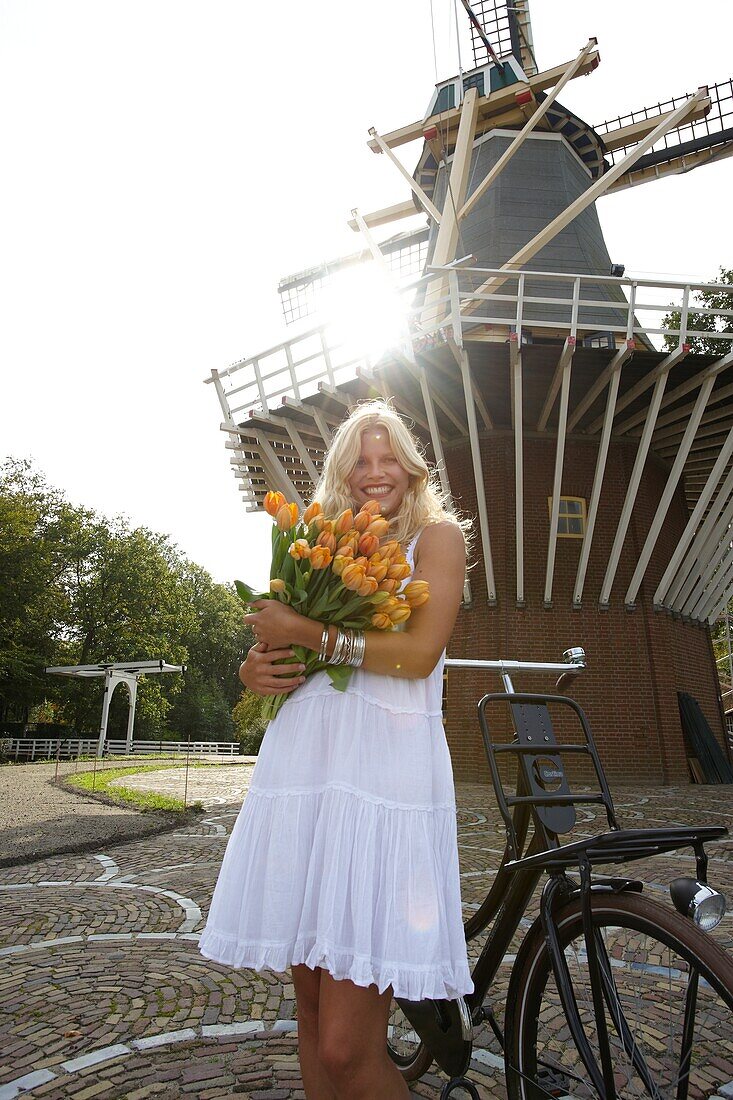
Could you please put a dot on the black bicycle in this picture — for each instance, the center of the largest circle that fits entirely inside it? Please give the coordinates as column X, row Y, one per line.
column 610, row 995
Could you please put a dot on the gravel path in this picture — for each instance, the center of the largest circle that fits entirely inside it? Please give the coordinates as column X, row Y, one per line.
column 39, row 819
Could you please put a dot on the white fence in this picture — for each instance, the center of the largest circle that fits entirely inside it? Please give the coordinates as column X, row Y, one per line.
column 51, row 748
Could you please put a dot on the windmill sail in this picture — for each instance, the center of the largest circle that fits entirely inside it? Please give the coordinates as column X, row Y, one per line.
column 706, row 137
column 508, row 28
column 300, row 293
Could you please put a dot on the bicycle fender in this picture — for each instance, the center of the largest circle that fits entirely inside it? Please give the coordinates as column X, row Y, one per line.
column 446, row 1029
column 603, row 884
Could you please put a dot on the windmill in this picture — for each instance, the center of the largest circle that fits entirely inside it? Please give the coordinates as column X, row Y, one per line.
column 600, row 468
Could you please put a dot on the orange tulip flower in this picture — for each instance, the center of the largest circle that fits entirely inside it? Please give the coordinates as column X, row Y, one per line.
column 371, row 507
column 389, row 585
column 379, row 597
column 287, row 516
column 378, row 570
column 314, row 509
column 352, row 576
column 378, row 527
column 327, row 539
column 399, row 572
column 368, row 545
column 368, row 587
column 389, row 549
column 300, row 549
column 362, row 521
column 400, row 614
column 273, row 503
column 277, row 585
column 320, row 557
column 382, row 622
column 351, row 539
column 339, row 564
column 344, row 522
column 416, row 593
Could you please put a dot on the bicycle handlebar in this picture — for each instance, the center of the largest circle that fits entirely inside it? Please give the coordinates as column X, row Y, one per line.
column 574, row 664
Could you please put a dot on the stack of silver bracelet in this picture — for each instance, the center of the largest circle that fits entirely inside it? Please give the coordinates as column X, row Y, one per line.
column 349, row 649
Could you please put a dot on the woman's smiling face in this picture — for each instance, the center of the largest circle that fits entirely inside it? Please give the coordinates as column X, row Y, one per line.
column 377, row 474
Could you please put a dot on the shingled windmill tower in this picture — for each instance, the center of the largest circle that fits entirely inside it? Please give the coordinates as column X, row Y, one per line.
column 594, row 450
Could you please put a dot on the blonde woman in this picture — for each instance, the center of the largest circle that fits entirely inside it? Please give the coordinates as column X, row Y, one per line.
column 343, row 862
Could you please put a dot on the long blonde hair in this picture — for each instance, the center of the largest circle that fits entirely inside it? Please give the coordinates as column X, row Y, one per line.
column 424, row 501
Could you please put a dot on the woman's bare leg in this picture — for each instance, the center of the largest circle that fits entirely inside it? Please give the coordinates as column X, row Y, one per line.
column 352, row 1041
column 307, row 986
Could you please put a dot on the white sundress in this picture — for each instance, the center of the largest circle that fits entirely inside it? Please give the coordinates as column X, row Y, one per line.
column 345, row 853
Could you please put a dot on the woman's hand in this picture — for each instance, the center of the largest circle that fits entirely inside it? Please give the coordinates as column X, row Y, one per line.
column 260, row 674
column 274, row 623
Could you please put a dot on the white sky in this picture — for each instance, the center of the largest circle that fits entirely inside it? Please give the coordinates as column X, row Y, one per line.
column 167, row 161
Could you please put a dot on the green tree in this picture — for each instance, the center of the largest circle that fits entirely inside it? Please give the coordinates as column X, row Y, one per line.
column 709, row 323
column 34, row 528
column 78, row 588
column 249, row 723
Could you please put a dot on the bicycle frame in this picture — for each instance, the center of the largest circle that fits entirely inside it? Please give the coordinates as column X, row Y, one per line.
column 549, row 808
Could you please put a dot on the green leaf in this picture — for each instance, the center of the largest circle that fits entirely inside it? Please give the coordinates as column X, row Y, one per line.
column 248, row 595
column 340, row 676
column 299, row 596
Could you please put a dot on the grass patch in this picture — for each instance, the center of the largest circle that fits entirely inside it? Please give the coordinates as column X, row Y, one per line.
column 101, row 784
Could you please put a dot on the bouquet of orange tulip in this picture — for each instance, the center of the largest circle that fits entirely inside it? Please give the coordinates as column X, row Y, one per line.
column 337, row 571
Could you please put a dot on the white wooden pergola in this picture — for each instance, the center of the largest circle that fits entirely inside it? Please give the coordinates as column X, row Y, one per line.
column 119, row 672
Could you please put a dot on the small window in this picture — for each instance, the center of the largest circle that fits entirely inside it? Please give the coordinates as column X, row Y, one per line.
column 476, row 80
column 571, row 517
column 445, row 100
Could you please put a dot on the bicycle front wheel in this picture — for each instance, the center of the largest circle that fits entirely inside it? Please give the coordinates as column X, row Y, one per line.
column 404, row 1046
column 668, row 999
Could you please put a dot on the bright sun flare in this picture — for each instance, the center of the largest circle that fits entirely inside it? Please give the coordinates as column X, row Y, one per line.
column 364, row 311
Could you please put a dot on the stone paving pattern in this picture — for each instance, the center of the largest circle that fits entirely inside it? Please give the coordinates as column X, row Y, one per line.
column 103, row 992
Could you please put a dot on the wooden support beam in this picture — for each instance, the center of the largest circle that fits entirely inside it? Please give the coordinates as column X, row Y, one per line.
column 448, row 236
column 557, row 481
column 670, row 398
column 704, row 542
column 532, row 123
column 711, row 422
column 629, row 135
column 696, row 516
column 622, row 356
column 712, row 371
column 720, row 580
column 672, row 167
column 478, row 476
column 426, row 203
column 597, row 188
column 668, row 492
column 321, row 418
column 517, row 407
column 600, row 470
column 387, row 214
column 661, row 370
column 632, row 490
column 719, row 556
column 705, row 441
column 418, row 371
column 564, row 361
column 491, row 104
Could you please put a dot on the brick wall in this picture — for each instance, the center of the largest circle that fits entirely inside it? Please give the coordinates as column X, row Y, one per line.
column 637, row 660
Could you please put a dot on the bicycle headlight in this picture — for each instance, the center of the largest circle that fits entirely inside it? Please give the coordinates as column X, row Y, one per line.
column 699, row 902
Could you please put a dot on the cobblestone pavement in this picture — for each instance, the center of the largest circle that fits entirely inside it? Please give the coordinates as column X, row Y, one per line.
column 104, row 993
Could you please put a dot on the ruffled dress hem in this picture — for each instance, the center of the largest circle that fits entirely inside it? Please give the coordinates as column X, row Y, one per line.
column 437, row 980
